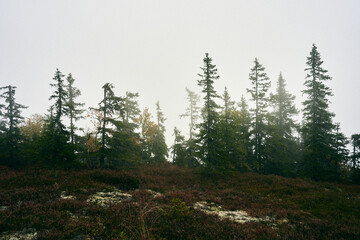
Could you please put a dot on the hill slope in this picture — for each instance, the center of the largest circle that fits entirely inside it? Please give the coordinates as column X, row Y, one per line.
column 165, row 202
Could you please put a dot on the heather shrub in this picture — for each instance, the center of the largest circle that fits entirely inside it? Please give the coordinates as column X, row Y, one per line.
column 120, row 180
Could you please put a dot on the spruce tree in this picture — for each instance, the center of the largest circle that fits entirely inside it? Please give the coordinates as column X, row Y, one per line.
column 74, row 109
column 55, row 146
column 342, row 153
column 281, row 146
column 318, row 127
column 131, row 107
column 159, row 148
column 355, row 156
column 260, row 85
column 107, row 107
column 124, row 142
column 207, row 138
column 193, row 113
column 12, row 118
column 242, row 121
column 179, row 149
column 284, row 110
column 227, row 133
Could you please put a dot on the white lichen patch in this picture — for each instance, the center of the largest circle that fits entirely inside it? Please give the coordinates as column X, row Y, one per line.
column 105, row 198
column 3, row 208
column 26, row 234
column 237, row 216
column 64, row 196
column 154, row 194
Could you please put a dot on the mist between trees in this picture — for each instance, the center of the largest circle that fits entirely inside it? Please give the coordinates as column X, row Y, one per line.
column 222, row 137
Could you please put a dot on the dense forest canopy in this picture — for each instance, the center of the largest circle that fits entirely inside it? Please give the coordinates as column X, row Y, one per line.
column 224, row 135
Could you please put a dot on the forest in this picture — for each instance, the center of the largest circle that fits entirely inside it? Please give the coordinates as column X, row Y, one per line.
column 224, row 136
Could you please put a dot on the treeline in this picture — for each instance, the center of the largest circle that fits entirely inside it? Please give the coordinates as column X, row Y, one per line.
column 223, row 135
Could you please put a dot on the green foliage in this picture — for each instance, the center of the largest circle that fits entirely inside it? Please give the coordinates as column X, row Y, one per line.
column 260, row 85
column 10, row 133
column 318, row 128
column 55, row 147
column 159, row 148
column 74, row 109
column 179, row 155
column 282, row 149
column 207, row 137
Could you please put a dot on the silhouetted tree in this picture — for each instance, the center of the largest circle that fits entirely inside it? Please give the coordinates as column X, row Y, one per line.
column 355, row 142
column 12, row 118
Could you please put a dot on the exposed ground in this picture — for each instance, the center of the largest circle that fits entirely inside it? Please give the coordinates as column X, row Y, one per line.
column 165, row 202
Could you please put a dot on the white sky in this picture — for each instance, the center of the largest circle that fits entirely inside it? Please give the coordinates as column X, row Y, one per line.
column 156, row 48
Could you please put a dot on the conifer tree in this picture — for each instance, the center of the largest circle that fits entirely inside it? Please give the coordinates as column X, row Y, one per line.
column 124, row 142
column 12, row 118
column 284, row 110
column 193, row 113
column 160, row 149
column 179, row 149
column 355, row 156
column 242, row 120
column 207, row 138
column 107, row 107
column 342, row 153
column 318, row 126
column 55, row 146
column 74, row 109
column 260, row 85
column 281, row 146
column 131, row 107
column 227, row 133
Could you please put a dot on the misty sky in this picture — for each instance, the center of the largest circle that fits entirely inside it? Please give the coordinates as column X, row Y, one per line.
column 156, row 48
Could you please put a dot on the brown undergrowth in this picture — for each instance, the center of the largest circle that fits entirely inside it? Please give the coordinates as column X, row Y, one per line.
column 162, row 201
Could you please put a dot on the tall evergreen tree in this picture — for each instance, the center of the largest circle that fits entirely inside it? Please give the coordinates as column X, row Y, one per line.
column 355, row 156
column 242, row 121
column 281, row 144
column 12, row 116
column 160, row 149
column 193, row 113
column 260, row 85
column 55, row 145
column 179, row 149
column 124, row 142
column 131, row 107
column 318, row 126
column 284, row 110
column 207, row 137
column 74, row 109
column 342, row 153
column 227, row 133
column 107, row 107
